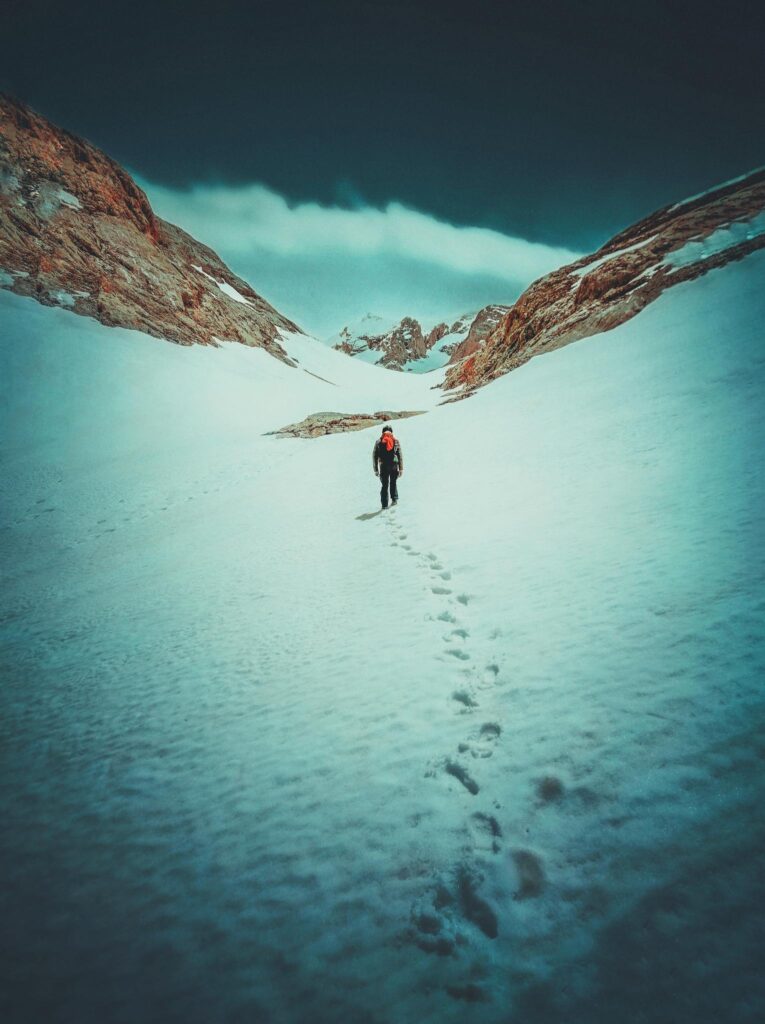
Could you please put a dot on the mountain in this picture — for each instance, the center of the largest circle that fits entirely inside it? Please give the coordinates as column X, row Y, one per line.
column 76, row 231
column 409, row 345
column 597, row 293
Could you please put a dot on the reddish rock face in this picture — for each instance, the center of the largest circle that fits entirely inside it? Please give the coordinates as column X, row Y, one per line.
column 599, row 292
column 76, row 231
column 481, row 327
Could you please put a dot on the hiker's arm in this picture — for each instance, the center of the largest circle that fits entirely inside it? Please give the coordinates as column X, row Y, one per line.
column 400, row 460
column 374, row 457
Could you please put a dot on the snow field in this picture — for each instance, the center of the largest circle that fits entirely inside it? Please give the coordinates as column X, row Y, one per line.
column 489, row 755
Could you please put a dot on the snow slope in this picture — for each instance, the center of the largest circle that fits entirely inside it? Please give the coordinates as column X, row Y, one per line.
column 493, row 756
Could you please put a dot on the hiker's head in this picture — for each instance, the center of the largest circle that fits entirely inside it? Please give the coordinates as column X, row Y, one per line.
column 387, row 430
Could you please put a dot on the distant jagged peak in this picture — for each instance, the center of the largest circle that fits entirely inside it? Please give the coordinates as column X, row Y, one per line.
column 414, row 345
column 76, row 231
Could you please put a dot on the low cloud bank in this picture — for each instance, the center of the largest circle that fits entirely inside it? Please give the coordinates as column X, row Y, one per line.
column 325, row 266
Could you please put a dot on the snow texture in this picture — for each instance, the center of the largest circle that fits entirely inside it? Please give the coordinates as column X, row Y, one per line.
column 493, row 755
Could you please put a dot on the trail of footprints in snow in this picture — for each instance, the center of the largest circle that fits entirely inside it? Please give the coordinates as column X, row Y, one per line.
column 444, row 919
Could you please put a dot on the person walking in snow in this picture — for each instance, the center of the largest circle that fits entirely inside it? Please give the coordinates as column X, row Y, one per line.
column 388, row 464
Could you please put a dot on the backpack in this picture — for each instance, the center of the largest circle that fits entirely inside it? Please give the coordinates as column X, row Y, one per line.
column 386, row 447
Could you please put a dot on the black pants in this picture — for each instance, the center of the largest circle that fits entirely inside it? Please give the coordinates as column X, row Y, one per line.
column 388, row 474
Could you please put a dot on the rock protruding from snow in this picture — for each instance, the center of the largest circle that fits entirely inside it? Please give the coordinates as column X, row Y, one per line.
column 76, row 231
column 321, row 423
column 601, row 291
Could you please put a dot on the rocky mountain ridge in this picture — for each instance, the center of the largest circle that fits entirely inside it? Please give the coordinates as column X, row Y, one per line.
column 599, row 292
column 408, row 342
column 76, row 231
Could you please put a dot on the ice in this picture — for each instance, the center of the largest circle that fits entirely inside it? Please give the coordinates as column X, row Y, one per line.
column 493, row 755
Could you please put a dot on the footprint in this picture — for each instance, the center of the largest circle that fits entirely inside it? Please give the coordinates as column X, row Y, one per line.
column 486, row 831
column 474, row 908
column 490, row 673
column 446, row 617
column 470, row 993
column 463, row 598
column 407, row 547
column 482, row 744
column 457, row 652
column 432, row 928
column 462, row 633
column 530, row 874
column 549, row 790
column 432, row 557
column 461, row 774
column 464, row 698
column 441, row 590
column 436, row 566
column 445, row 575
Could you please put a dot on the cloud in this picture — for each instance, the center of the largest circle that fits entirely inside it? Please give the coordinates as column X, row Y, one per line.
column 327, row 265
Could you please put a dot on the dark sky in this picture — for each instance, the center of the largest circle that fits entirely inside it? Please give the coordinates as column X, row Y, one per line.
column 562, row 122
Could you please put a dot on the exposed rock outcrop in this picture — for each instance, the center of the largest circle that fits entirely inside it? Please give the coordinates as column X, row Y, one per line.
column 320, row 423
column 601, row 291
column 480, row 328
column 76, row 231
column 407, row 342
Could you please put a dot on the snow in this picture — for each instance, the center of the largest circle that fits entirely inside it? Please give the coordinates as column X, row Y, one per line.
column 436, row 358
column 227, row 289
column 699, row 249
column 258, row 739
column 581, row 271
column 68, row 199
column 7, row 277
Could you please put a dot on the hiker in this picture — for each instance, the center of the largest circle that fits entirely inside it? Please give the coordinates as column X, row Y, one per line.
column 388, row 464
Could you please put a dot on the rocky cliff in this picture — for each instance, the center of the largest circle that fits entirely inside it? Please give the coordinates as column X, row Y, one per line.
column 598, row 292
column 76, row 231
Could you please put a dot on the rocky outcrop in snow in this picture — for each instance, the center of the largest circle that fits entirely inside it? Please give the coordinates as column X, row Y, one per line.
column 76, row 231
column 320, row 423
column 601, row 291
